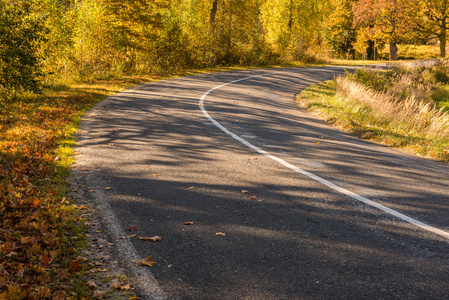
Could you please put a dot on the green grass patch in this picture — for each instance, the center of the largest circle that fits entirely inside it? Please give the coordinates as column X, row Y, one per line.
column 441, row 97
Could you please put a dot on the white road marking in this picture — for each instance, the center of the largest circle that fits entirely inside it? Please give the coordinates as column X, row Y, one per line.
column 143, row 278
column 313, row 176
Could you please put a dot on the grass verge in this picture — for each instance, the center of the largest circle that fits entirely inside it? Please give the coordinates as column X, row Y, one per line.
column 363, row 121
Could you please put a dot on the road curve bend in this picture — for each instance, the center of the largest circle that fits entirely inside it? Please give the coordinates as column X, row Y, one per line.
column 281, row 205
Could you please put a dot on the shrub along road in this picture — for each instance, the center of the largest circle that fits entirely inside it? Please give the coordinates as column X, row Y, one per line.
column 237, row 224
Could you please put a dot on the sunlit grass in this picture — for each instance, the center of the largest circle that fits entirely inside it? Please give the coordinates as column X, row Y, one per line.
column 375, row 123
column 418, row 51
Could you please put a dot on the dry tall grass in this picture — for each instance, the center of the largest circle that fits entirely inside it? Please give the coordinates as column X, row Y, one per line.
column 410, row 115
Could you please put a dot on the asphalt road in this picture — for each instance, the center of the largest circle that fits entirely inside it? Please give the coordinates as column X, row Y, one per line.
column 289, row 236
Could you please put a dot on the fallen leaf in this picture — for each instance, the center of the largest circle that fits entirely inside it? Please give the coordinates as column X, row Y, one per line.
column 92, row 284
column 188, row 223
column 253, row 198
column 152, row 239
column 60, row 295
column 107, row 188
column 145, row 262
column 64, row 274
column 46, row 260
column 133, row 228
column 220, row 234
column 75, row 265
column 245, row 192
column 126, row 237
column 122, row 287
column 25, row 240
column 155, row 174
column 7, row 223
column 99, row 294
column 191, row 188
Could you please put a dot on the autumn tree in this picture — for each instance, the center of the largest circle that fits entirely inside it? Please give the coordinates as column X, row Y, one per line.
column 432, row 20
column 340, row 30
column 56, row 50
column 21, row 32
column 386, row 20
column 291, row 25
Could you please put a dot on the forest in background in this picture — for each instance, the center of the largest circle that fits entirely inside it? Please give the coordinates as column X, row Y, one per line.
column 44, row 40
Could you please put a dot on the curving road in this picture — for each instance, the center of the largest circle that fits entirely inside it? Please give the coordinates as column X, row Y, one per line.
column 302, row 211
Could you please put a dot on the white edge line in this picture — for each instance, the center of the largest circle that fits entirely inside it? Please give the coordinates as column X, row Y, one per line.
column 147, row 285
column 313, row 176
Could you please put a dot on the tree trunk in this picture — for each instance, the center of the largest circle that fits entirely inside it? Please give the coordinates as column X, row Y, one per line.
column 290, row 17
column 370, row 50
column 442, row 38
column 393, row 51
column 213, row 12
column 442, row 47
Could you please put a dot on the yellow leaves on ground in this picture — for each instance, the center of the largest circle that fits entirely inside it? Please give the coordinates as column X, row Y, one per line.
column 151, row 239
column 126, row 237
column 122, row 287
column 145, row 262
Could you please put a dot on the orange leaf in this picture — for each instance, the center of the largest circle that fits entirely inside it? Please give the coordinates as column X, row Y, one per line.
column 35, row 202
column 253, row 198
column 46, row 260
column 152, row 239
column 188, row 223
column 145, row 262
column 122, row 287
